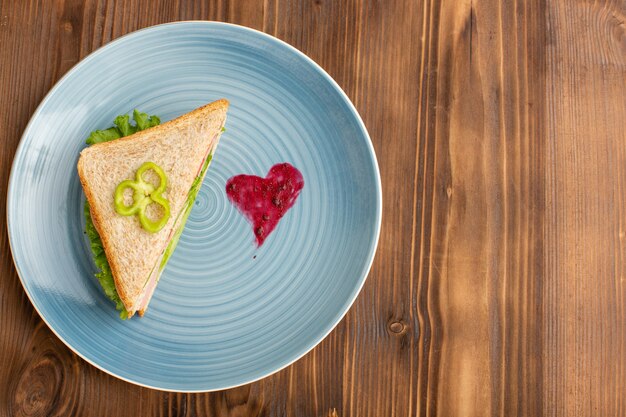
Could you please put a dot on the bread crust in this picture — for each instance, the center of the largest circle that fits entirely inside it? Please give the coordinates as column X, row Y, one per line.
column 127, row 296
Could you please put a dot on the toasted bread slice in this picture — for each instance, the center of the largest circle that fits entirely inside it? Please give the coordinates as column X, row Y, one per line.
column 180, row 148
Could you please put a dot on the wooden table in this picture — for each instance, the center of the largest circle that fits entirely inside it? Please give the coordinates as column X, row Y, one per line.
column 499, row 286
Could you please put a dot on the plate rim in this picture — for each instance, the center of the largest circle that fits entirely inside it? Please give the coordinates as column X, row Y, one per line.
column 379, row 203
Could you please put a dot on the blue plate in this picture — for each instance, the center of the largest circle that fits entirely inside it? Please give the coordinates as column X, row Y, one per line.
column 225, row 313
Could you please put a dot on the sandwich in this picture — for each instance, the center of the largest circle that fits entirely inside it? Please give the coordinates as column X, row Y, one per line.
column 140, row 183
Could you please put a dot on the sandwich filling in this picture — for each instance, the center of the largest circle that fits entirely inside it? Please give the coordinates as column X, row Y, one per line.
column 105, row 277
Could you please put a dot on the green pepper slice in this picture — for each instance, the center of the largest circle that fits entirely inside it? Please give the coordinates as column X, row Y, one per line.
column 144, row 194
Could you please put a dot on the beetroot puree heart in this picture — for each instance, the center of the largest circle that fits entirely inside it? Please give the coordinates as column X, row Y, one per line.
column 263, row 201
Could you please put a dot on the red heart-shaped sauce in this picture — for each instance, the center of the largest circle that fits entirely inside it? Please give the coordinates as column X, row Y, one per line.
column 264, row 201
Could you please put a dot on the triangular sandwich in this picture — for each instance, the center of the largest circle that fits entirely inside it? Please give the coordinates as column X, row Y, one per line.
column 140, row 189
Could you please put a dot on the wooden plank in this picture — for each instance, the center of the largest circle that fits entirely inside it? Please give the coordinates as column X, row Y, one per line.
column 585, row 293
column 479, row 215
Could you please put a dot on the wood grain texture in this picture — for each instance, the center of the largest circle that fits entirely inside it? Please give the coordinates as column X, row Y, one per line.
column 480, row 256
column 499, row 286
column 585, row 299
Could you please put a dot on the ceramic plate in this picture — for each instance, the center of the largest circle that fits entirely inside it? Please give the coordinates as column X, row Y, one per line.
column 225, row 313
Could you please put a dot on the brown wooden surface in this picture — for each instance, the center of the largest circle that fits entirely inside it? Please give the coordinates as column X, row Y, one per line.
column 499, row 286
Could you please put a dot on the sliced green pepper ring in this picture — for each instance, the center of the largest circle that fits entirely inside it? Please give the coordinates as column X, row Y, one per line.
column 157, row 170
column 154, row 226
column 138, row 196
column 144, row 194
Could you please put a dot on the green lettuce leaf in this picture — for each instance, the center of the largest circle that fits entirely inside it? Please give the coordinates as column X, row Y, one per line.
column 122, row 128
column 98, row 136
column 123, row 125
column 145, row 122
column 191, row 197
column 105, row 277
